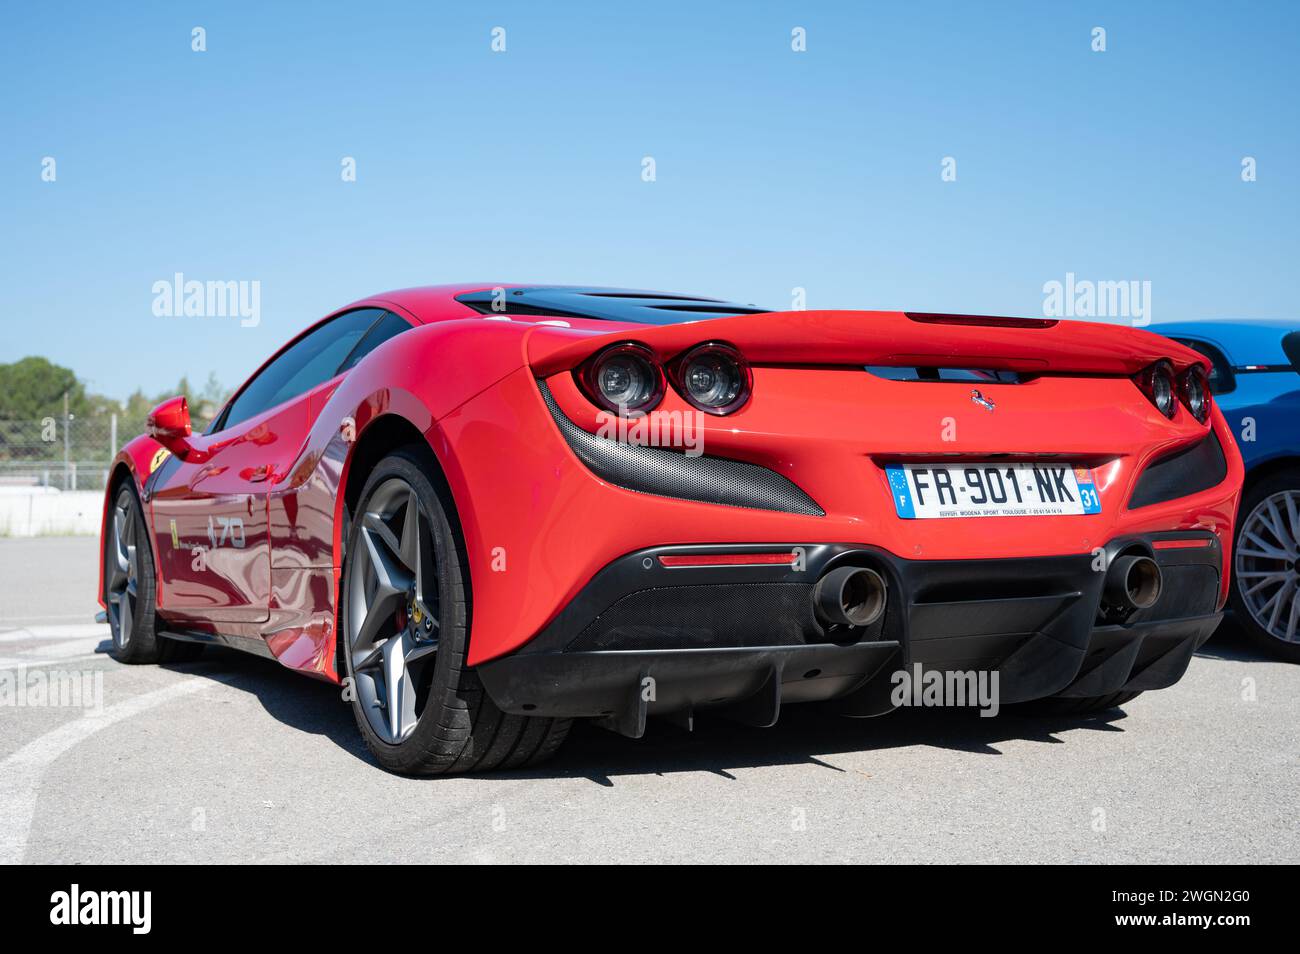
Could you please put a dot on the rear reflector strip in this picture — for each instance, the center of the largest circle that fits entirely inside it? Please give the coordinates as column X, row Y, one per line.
column 727, row 559
column 1183, row 544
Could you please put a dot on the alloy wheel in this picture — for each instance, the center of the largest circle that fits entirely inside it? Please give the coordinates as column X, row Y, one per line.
column 1268, row 565
column 123, row 567
column 392, row 614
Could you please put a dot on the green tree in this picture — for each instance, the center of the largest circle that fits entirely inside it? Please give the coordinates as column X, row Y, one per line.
column 32, row 424
column 33, row 388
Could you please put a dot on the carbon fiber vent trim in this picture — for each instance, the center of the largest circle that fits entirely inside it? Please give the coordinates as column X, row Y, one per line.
column 669, row 473
column 1181, row 473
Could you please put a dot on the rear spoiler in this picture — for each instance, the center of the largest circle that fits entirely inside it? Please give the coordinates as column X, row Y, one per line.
column 858, row 338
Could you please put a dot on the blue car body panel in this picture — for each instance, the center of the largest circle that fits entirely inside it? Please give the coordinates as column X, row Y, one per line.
column 1271, row 399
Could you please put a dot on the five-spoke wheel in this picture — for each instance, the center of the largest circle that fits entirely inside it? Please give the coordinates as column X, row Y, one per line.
column 128, row 588
column 393, row 622
column 404, row 635
column 122, row 567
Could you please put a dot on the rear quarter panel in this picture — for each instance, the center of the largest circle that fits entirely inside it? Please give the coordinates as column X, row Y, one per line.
column 420, row 376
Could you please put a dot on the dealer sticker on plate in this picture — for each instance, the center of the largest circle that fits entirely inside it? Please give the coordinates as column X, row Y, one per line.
column 989, row 489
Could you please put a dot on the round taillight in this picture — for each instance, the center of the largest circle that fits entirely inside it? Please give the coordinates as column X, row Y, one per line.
column 625, row 378
column 1162, row 391
column 1195, row 389
column 713, row 377
column 1157, row 383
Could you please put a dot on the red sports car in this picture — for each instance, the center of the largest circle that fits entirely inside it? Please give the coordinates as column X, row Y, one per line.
column 490, row 510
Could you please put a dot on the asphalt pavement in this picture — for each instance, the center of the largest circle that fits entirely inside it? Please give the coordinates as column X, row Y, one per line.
column 232, row 759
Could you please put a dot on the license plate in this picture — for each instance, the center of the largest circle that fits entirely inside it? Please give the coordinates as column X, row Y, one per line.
column 923, row 491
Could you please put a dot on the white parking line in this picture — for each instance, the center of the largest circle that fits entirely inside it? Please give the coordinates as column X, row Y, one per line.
column 55, row 644
column 21, row 773
column 33, row 662
column 25, row 620
column 53, row 651
column 83, row 631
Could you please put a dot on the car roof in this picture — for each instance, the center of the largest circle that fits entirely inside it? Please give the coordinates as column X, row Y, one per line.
column 1243, row 341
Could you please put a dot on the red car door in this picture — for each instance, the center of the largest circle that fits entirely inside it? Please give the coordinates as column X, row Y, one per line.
column 209, row 515
column 209, row 511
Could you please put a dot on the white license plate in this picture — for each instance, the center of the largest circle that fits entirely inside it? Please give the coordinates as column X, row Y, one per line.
column 988, row 489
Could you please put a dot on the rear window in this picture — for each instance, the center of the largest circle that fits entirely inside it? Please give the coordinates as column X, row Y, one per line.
column 604, row 304
column 389, row 326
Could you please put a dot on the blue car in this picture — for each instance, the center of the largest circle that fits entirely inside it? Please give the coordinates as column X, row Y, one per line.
column 1256, row 380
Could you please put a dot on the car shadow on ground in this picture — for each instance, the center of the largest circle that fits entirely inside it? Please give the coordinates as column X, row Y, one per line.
column 308, row 705
column 805, row 734
column 1229, row 642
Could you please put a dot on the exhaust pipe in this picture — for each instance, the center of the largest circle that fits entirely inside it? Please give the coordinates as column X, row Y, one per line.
column 850, row 596
column 1133, row 583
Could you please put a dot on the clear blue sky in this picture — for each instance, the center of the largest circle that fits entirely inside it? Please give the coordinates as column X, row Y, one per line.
column 775, row 169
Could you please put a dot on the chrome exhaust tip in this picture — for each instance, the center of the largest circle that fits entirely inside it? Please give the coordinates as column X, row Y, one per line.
column 850, row 596
column 1134, row 582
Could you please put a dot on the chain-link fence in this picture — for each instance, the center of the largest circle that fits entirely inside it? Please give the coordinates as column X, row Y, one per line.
column 64, row 454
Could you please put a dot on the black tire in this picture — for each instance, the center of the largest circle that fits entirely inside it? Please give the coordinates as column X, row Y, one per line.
column 1065, row 706
column 1256, row 493
column 141, row 644
column 458, row 728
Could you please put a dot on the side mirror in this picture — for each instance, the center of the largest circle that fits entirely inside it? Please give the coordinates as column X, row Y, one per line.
column 169, row 425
